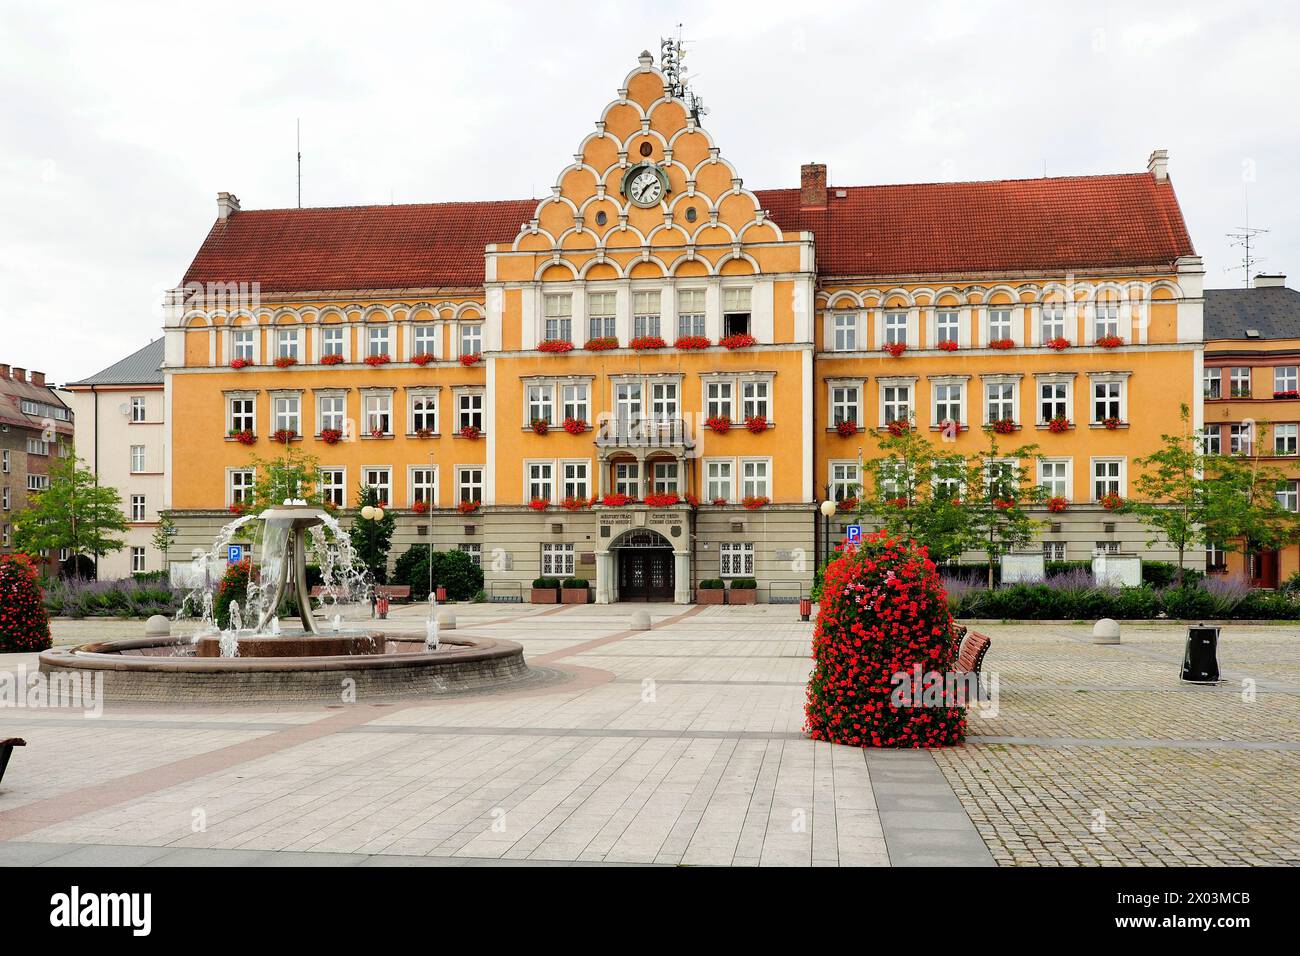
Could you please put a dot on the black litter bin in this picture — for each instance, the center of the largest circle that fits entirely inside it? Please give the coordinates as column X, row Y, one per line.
column 1201, row 658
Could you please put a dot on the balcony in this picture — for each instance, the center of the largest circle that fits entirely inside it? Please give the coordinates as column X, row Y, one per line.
column 644, row 432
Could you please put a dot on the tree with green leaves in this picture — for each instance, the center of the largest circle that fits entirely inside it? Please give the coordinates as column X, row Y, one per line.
column 998, row 487
column 1246, row 511
column 164, row 536
column 74, row 512
column 372, row 539
column 294, row 476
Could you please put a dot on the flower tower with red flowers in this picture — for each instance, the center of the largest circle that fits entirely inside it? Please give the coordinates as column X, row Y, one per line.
column 883, row 613
column 24, row 624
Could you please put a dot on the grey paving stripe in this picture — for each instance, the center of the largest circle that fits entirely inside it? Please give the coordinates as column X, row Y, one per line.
column 720, row 682
column 923, row 821
column 454, row 731
column 1147, row 743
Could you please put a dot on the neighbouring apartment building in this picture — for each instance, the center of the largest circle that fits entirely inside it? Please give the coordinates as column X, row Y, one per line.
column 1252, row 403
column 35, row 426
column 654, row 374
column 121, row 438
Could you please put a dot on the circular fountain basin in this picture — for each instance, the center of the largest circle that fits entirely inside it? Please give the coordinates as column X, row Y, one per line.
column 340, row 667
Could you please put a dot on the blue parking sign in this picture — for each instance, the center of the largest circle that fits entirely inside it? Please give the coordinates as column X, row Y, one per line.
column 854, row 533
column 234, row 553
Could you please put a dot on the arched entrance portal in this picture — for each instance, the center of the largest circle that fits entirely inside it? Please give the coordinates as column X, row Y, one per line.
column 644, row 566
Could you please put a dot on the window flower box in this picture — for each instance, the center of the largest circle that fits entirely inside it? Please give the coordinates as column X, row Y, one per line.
column 285, row 361
column 468, row 507
column 742, row 591
column 663, row 499
column 616, row 500
column 331, row 436
column 1004, row 504
column 846, row 429
column 545, row 591
column 470, row 359
column 947, row 345
column 692, row 343
column 741, row 340
column 554, row 345
column 1004, row 426
column 575, row 591
column 1058, row 344
column 239, row 363
column 1111, row 423
column 845, row 505
column 1287, row 393
column 718, row 423
column 1056, row 504
column 423, row 359
column 1111, row 502
column 692, row 500
column 1002, row 344
column 602, row 344
column 1059, row 424
column 718, row 502
column 1242, row 392
column 899, row 503
column 898, row 427
column 540, row 426
column 424, row 433
column 711, row 591
column 331, row 359
column 420, row 507
column 574, row 504
column 237, row 508
column 284, row 435
column 540, row 504
column 244, row 436
column 646, row 343
column 1110, row 342
column 374, row 361
column 472, row 432
column 754, row 502
column 895, row 348
column 575, row 426
column 757, row 424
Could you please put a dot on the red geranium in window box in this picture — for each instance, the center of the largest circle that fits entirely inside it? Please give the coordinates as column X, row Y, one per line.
column 662, row 499
column 1287, row 393
column 1004, row 426
column 284, row 435
column 1004, row 504
column 741, row 340
column 719, row 501
column 236, row 509
column 420, row 507
column 616, row 500
column 574, row 504
column 846, row 504
column 718, row 423
column 899, row 427
column 575, row 426
column 1110, row 342
column 1111, row 423
column 897, row 502
column 644, row 343
column 1056, row 504
column 1059, row 424
column 948, row 345
column 1111, row 502
column 471, row 358
column 602, row 344
column 540, row 426
column 331, row 359
column 284, row 361
column 756, row 424
column 540, row 504
column 424, row 433
column 468, row 507
column 693, row 501
column 554, row 345
column 378, row 433
column 243, row 436
column 1002, row 344
column 846, row 429
column 240, row 363
column 470, row 431
column 331, row 436
column 754, row 502
column 376, row 360
column 895, row 348
column 692, row 342
column 1058, row 344
column 424, row 358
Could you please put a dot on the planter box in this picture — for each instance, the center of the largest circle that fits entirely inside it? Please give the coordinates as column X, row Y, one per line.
column 710, row 595
column 574, row 595
column 742, row 595
column 545, row 596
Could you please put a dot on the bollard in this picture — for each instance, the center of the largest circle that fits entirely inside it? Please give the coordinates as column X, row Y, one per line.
column 805, row 608
column 158, row 626
column 1105, row 631
column 640, row 621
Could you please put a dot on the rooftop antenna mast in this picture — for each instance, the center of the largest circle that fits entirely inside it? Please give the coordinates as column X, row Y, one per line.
column 672, row 61
column 299, row 163
column 1243, row 238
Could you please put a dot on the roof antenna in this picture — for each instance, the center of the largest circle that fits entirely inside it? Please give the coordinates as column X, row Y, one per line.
column 299, row 122
column 1242, row 237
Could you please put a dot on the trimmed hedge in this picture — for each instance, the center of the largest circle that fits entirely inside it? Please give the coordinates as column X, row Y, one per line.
column 454, row 570
column 542, row 584
column 1191, row 602
column 712, row 584
column 743, row 584
column 576, row 584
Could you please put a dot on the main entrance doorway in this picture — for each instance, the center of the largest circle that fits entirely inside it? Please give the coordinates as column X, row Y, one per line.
column 645, row 567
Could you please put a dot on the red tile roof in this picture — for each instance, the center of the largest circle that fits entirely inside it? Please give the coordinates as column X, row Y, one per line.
column 1059, row 224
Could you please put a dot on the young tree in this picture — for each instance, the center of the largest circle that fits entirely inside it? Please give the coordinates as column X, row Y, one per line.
column 293, row 476
column 1244, row 509
column 372, row 539
column 74, row 512
column 164, row 536
column 998, row 487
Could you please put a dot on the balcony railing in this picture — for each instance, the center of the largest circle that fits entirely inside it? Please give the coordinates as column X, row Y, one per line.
column 643, row 431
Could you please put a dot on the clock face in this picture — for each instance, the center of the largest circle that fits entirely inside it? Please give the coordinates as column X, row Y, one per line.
column 644, row 186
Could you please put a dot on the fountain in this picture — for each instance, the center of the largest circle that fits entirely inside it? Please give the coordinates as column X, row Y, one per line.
column 254, row 658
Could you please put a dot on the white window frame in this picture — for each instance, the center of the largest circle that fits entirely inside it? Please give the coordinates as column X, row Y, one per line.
column 1000, row 318
column 1061, row 484
column 380, row 478
column 557, row 316
column 138, row 510
column 1005, row 395
column 647, row 312
column 471, row 409
column 894, row 327
column 1212, row 382
column 1285, row 378
column 962, row 386
column 575, row 401
column 243, row 343
column 844, row 332
column 138, row 454
column 424, row 338
column 239, row 485
column 947, row 319
column 890, row 401
column 720, row 474
column 758, row 484
column 602, row 315
column 736, row 559
column 575, row 479
column 692, row 313
column 331, row 491
column 845, row 479
column 1286, row 439
column 330, row 332
column 327, row 416
column 844, row 399
column 1121, row 479
column 1107, row 379
column 469, row 479
column 422, row 410
column 558, row 560
column 377, row 412
column 1061, row 404
column 379, row 341
column 286, row 412
column 422, row 484
column 539, row 479
column 138, row 411
column 469, row 338
column 288, row 343
column 138, row 561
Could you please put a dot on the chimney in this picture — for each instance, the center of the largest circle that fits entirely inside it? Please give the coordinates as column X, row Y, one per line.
column 227, row 205
column 38, row 378
column 1273, row 280
column 812, row 186
column 1158, row 164
column 4, row 372
column 20, row 374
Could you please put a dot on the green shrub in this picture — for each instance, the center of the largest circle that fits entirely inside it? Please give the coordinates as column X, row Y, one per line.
column 233, row 586
column 543, row 584
column 454, row 570
column 24, row 624
column 1163, row 574
column 712, row 584
column 743, row 584
column 575, row 584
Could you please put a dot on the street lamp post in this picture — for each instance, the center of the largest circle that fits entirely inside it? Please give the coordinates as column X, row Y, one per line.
column 828, row 508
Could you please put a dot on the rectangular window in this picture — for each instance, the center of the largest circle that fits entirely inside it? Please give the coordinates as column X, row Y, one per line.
column 690, row 312
column 946, row 326
column 1288, row 495
column 5, row 532
column 331, row 340
column 737, row 559
column 1106, row 319
column 377, row 341
column 558, row 318
column 645, row 313
column 424, row 412
column 601, row 315
column 286, row 343
column 332, row 410
column 735, row 311
column 1053, row 476
column 287, row 417
column 1107, row 547
column 627, row 401
column 895, row 328
column 557, row 560
column 1216, row 557
column 137, row 408
column 1241, row 438
column 137, row 560
column 38, row 482
column 575, row 478
column 1212, row 440
column 1284, row 379
column 381, row 480
column 1106, row 478
column 1285, row 438
column 718, row 399
column 663, row 401
column 999, row 325
column 1052, row 401
column 426, row 335
column 1239, row 383
column 845, row 482
column 754, row 400
column 753, row 478
column 1053, row 322
column 541, row 404
column 541, row 480
column 469, row 484
column 897, row 401
column 574, row 402
column 473, row 549
column 137, row 507
column 948, row 400
column 471, row 338
column 241, row 486
column 1213, row 383
column 5, row 501
column 844, row 404
column 332, row 488
column 717, row 481
column 424, row 486
column 242, row 344
column 37, row 447
column 137, row 458
column 1000, row 402
column 627, row 479
column 4, row 462
column 377, row 414
column 1053, row 550
column 469, row 410
column 844, row 335
column 1000, row 478
column 1106, row 401
column 663, row 477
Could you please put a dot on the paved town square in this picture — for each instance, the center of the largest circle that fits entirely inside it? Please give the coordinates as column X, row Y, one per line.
column 680, row 745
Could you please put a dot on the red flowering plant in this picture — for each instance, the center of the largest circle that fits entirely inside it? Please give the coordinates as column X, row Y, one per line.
column 424, row 433
column 1111, row 423
column 420, row 507
column 376, row 360
column 471, row 358
column 719, row 501
column 846, row 429
column 883, row 613
column 662, row 499
column 331, row 436
column 575, row 426
column 331, row 359
column 692, row 500
column 1004, row 426
column 616, row 500
column 1111, row 502
column 468, row 507
column 895, row 348
column 554, row 345
column 423, row 358
column 24, row 622
column 899, row 426
column 1004, row 504
column 1002, row 344
column 644, row 343
column 740, row 340
column 244, row 436
column 757, row 424
column 1287, row 393
column 469, row 431
column 540, row 504
column 284, row 435
column 718, row 423
column 899, row 503
column 285, row 361
column 601, row 344
column 239, row 363
column 574, row 504
column 1059, row 424
column 1058, row 344
column 540, row 426
column 691, row 342
column 378, row 433
column 754, row 502
column 845, row 505
column 948, row 345
column 1056, row 504
column 1110, row 341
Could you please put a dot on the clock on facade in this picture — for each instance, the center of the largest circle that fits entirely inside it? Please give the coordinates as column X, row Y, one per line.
column 645, row 184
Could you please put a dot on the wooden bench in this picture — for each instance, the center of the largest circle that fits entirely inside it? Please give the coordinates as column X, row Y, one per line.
column 6, row 748
column 970, row 653
column 399, row 592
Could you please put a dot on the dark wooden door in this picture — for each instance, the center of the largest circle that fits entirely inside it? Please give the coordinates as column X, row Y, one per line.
column 645, row 574
column 1263, row 569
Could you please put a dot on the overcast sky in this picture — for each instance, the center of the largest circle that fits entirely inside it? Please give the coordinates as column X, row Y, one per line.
column 120, row 122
